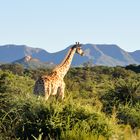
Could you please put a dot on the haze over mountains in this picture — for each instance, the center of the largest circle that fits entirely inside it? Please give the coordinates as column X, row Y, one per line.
column 97, row 54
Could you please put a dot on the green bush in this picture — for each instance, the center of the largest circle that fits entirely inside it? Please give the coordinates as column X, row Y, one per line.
column 15, row 84
column 130, row 115
column 124, row 91
column 99, row 103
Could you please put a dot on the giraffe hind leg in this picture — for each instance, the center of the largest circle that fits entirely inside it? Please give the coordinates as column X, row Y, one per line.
column 39, row 87
column 47, row 92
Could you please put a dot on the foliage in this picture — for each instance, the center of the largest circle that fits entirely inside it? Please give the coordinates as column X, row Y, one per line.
column 130, row 115
column 14, row 68
column 14, row 84
column 101, row 103
column 135, row 68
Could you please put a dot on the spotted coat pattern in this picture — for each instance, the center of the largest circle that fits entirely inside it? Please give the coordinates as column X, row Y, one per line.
column 53, row 84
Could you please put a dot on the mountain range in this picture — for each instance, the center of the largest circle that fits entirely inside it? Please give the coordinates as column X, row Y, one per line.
column 96, row 54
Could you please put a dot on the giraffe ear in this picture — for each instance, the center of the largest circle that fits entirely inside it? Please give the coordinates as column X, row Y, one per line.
column 77, row 43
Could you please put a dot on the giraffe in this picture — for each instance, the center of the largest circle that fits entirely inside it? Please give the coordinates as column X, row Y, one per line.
column 53, row 83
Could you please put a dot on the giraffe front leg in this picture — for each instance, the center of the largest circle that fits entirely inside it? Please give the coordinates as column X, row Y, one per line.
column 62, row 90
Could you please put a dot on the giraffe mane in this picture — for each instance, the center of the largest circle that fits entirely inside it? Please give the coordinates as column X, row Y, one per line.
column 66, row 57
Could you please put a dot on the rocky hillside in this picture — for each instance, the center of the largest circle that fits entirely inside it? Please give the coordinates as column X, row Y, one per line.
column 29, row 62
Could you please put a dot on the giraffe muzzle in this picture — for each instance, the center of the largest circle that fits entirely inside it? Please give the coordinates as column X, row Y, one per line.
column 82, row 54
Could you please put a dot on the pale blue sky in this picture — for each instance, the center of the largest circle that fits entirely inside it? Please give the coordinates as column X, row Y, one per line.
column 55, row 24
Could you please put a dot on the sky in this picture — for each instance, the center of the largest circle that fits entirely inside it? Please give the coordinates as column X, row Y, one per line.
column 55, row 24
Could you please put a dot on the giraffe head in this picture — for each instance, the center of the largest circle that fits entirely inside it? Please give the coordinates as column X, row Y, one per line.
column 78, row 48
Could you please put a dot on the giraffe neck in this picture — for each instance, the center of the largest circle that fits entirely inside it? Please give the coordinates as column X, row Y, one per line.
column 64, row 66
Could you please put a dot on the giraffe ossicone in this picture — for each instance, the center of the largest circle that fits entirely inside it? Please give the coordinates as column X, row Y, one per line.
column 54, row 83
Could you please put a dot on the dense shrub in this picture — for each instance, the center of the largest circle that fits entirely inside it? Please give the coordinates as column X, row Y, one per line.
column 133, row 67
column 33, row 117
column 15, row 84
column 130, row 115
column 100, row 103
column 124, row 91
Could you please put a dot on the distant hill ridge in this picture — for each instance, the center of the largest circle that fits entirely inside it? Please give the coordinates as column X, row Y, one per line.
column 97, row 54
column 29, row 62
